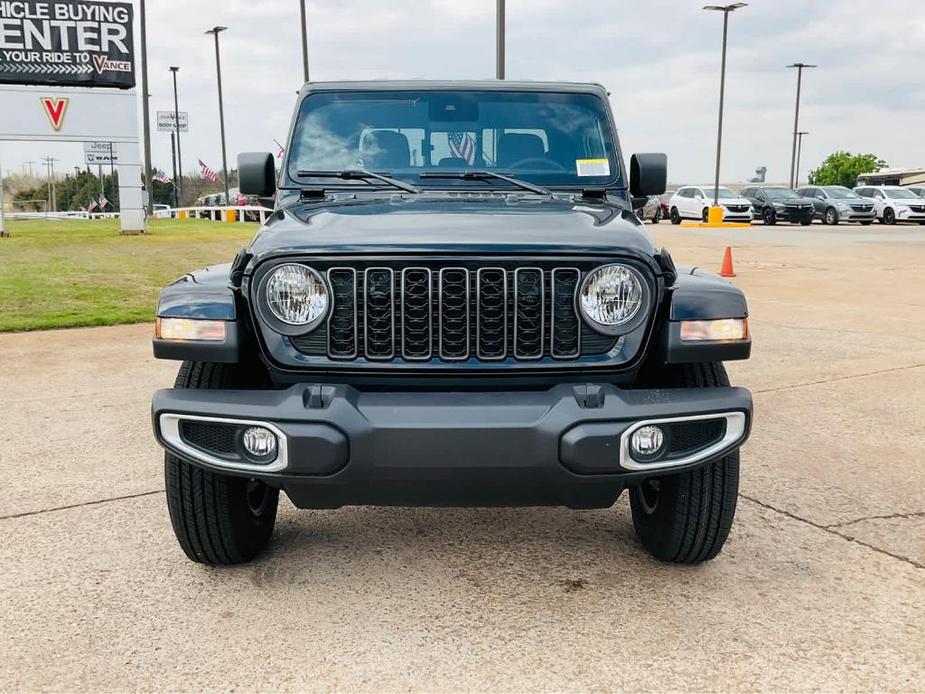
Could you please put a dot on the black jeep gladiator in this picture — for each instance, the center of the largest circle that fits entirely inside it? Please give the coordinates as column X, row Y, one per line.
column 453, row 304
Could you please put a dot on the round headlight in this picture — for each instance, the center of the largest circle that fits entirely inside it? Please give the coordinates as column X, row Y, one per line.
column 296, row 295
column 612, row 296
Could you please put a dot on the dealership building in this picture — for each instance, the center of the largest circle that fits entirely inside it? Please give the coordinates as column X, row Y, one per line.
column 893, row 177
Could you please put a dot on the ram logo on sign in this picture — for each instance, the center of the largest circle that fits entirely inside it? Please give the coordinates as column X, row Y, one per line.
column 76, row 43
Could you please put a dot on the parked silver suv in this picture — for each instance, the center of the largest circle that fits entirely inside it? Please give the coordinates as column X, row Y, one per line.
column 836, row 204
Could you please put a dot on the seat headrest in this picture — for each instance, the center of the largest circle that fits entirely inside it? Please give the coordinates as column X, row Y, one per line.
column 385, row 149
column 453, row 163
column 514, row 147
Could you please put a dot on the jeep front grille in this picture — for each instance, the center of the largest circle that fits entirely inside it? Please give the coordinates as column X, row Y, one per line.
column 453, row 314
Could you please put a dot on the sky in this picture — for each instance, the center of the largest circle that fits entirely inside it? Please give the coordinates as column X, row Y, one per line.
column 660, row 60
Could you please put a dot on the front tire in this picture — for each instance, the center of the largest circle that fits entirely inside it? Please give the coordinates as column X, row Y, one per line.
column 768, row 217
column 675, row 216
column 705, row 215
column 657, row 217
column 889, row 216
column 218, row 519
column 831, row 217
column 685, row 518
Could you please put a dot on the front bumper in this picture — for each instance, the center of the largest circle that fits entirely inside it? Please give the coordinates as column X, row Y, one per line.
column 564, row 446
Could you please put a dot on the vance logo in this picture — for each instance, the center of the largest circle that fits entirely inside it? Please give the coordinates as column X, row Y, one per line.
column 104, row 64
column 55, row 109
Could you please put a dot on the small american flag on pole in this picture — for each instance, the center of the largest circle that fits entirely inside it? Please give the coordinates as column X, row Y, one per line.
column 91, row 206
column 103, row 202
column 207, row 172
column 462, row 146
column 161, row 176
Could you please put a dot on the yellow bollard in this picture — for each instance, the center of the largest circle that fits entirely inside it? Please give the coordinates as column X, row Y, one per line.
column 181, row 214
column 715, row 215
column 231, row 215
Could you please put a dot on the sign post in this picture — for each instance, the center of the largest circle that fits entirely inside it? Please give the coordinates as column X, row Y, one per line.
column 3, row 231
column 72, row 67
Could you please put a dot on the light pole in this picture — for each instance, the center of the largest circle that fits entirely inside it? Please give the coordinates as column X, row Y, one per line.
column 796, row 118
column 499, row 41
column 145, row 111
column 799, row 152
column 725, row 9
column 304, row 15
column 176, row 125
column 215, row 31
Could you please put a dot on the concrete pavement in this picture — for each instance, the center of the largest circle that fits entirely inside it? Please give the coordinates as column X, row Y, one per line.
column 821, row 585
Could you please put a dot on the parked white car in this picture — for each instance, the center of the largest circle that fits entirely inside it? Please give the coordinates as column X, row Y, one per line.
column 894, row 204
column 694, row 202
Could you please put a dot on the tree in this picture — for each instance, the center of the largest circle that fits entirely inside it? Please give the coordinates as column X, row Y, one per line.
column 843, row 169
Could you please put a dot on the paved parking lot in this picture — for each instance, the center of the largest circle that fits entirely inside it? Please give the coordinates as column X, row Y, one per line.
column 821, row 585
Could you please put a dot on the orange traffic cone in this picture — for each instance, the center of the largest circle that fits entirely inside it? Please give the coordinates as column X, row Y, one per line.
column 727, row 270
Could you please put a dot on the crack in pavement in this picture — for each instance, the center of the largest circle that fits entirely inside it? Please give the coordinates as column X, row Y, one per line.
column 891, row 516
column 80, row 505
column 836, row 379
column 832, row 531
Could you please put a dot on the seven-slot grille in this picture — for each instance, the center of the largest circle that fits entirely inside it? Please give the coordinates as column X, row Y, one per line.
column 452, row 313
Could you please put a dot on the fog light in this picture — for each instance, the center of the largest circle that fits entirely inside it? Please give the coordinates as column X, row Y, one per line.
column 647, row 441
column 259, row 442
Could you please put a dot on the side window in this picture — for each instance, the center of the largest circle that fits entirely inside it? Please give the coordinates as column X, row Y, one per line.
column 879, row 194
column 759, row 195
column 687, row 193
column 747, row 193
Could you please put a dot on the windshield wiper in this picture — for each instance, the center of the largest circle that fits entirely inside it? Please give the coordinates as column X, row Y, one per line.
column 362, row 175
column 485, row 175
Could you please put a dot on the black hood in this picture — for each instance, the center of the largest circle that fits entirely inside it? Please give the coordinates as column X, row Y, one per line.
column 502, row 225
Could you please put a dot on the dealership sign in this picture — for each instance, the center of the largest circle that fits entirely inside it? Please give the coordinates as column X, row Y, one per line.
column 166, row 121
column 79, row 43
column 100, row 153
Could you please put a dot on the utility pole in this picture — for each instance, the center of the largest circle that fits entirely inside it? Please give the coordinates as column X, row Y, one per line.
column 725, row 9
column 173, row 155
column 304, row 15
column 796, row 118
column 176, row 124
column 499, row 41
column 799, row 153
column 50, row 169
column 146, row 111
column 215, row 31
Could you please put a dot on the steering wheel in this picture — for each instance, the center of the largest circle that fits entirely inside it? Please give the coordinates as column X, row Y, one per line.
column 543, row 162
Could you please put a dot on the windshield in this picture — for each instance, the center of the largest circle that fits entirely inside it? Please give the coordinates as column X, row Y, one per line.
column 839, row 193
column 900, row 194
column 780, row 194
column 724, row 193
column 543, row 137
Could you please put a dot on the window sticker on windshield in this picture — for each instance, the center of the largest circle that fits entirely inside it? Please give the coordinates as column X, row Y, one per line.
column 593, row 167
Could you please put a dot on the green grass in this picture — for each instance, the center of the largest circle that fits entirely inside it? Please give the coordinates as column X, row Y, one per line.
column 66, row 273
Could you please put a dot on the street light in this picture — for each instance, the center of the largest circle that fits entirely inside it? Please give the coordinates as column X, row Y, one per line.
column 799, row 152
column 221, row 106
column 304, row 15
column 796, row 119
column 725, row 9
column 176, row 123
column 499, row 41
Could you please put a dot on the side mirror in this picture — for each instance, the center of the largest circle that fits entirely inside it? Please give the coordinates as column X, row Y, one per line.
column 257, row 174
column 648, row 174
